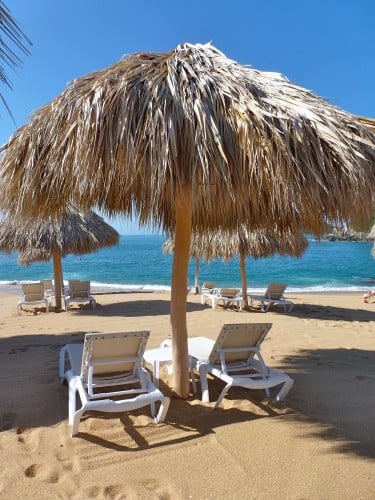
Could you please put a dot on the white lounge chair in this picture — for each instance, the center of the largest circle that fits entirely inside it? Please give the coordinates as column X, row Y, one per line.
column 207, row 287
column 106, row 372
column 79, row 291
column 48, row 290
column 235, row 358
column 33, row 294
column 273, row 295
column 47, row 286
column 227, row 296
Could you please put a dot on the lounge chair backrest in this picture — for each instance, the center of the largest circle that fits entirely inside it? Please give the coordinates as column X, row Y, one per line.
column 275, row 290
column 238, row 335
column 208, row 285
column 111, row 353
column 46, row 284
column 32, row 291
column 79, row 289
column 229, row 292
column 73, row 284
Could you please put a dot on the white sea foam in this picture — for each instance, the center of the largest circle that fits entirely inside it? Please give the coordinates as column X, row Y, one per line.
column 137, row 264
column 116, row 287
column 96, row 287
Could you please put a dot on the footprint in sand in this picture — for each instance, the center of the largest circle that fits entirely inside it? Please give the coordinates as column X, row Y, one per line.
column 68, row 463
column 55, row 347
column 145, row 489
column 42, row 472
column 28, row 438
column 159, row 489
column 364, row 377
column 44, row 380
column 17, row 350
column 113, row 491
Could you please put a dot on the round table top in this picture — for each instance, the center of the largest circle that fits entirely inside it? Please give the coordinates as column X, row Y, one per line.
column 159, row 354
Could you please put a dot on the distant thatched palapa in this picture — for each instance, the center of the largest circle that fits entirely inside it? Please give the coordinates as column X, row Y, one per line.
column 190, row 139
column 243, row 243
column 33, row 255
column 73, row 232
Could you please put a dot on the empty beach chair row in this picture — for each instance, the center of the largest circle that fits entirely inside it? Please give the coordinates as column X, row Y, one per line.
column 43, row 293
column 274, row 295
column 107, row 370
column 225, row 296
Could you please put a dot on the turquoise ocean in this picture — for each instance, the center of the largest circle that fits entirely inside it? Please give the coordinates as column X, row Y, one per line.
column 138, row 263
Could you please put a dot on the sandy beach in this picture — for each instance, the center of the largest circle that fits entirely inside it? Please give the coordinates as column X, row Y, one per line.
column 318, row 444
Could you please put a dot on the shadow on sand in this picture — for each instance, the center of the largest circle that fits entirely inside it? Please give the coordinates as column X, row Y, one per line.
column 334, row 388
column 321, row 312
column 131, row 308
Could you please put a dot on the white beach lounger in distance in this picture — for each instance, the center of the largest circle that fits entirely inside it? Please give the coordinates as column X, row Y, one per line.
column 79, row 291
column 273, row 295
column 227, row 296
column 33, row 294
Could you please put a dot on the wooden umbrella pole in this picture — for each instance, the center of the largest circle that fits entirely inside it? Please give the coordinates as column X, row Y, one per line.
column 57, row 275
column 243, row 277
column 180, row 380
column 197, row 265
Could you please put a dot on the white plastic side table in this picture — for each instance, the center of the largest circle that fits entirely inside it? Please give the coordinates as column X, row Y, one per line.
column 161, row 356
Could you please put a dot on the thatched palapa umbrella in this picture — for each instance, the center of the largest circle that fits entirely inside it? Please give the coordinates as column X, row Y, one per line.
column 190, row 139
column 73, row 232
column 256, row 244
column 370, row 122
column 31, row 255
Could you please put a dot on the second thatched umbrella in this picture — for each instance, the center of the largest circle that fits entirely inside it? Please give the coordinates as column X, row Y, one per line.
column 73, row 232
column 245, row 243
column 190, row 139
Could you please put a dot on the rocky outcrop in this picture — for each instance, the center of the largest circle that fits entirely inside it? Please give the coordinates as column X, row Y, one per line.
column 345, row 234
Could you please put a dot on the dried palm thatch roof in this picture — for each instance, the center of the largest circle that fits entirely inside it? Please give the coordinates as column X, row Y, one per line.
column 73, row 232
column 370, row 122
column 228, row 244
column 134, row 135
column 33, row 255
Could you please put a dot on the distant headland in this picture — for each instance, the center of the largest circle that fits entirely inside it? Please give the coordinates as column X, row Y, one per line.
column 348, row 234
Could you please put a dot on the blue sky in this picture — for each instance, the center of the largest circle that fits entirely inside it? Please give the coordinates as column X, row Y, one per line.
column 327, row 46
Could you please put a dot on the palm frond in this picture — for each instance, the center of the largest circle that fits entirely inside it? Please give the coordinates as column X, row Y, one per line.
column 12, row 40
